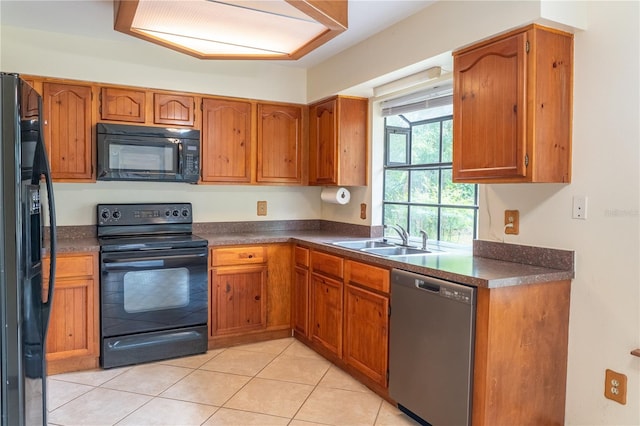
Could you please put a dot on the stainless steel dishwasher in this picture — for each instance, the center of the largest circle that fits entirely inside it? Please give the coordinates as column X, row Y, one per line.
column 431, row 348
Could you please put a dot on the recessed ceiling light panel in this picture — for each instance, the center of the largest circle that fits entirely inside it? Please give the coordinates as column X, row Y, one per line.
column 268, row 29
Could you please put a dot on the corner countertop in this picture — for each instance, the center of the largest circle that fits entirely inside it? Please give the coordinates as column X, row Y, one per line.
column 499, row 265
column 489, row 264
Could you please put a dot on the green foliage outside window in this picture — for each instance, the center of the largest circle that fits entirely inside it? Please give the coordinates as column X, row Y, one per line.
column 418, row 191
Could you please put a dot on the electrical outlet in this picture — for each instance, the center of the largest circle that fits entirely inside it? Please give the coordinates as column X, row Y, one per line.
column 262, row 208
column 579, row 207
column 615, row 386
column 511, row 222
column 363, row 211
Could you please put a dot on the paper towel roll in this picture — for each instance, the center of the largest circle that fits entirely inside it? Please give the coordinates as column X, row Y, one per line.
column 335, row 195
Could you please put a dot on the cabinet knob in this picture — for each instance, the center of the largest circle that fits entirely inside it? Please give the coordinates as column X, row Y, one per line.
column 257, row 297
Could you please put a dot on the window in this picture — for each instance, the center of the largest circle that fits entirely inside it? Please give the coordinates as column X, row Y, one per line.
column 418, row 191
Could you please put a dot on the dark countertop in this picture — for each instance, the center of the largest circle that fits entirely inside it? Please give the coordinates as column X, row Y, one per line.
column 493, row 265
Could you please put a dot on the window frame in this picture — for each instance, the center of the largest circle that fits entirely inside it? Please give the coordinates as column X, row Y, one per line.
column 439, row 166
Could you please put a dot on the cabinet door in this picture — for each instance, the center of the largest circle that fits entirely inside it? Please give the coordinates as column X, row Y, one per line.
column 122, row 104
column 68, row 136
column 489, row 114
column 226, row 141
column 173, row 109
column 279, row 143
column 239, row 299
column 326, row 313
column 73, row 334
column 29, row 101
column 300, row 302
column 366, row 325
column 323, row 139
column 71, row 328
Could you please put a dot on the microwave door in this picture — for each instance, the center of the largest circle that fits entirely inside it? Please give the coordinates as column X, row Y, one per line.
column 148, row 160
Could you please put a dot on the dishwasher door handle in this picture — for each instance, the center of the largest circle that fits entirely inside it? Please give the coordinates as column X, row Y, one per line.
column 434, row 288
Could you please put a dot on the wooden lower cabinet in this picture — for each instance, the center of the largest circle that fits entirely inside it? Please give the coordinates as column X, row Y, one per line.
column 366, row 320
column 366, row 332
column 300, row 292
column 249, row 293
column 326, row 313
column 521, row 347
column 240, row 299
column 341, row 309
column 521, row 336
column 73, row 334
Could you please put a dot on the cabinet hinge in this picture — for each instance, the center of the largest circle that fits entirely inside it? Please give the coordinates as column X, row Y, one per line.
column 527, row 46
column 389, row 311
column 526, row 160
column 387, row 376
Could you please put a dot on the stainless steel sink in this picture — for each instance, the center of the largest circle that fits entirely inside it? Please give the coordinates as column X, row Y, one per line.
column 363, row 244
column 396, row 251
column 382, row 248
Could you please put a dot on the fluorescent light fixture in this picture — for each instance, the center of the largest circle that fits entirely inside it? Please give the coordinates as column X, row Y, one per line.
column 234, row 29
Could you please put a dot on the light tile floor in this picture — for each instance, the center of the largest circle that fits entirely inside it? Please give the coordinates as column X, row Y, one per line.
column 279, row 382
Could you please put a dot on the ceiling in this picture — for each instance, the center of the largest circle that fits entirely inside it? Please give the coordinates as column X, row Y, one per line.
column 94, row 19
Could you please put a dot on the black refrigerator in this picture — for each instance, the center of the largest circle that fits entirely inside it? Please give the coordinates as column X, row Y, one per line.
column 24, row 309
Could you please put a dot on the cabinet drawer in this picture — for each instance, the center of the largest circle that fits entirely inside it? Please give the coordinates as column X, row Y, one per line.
column 237, row 255
column 77, row 265
column 327, row 264
column 368, row 276
column 301, row 256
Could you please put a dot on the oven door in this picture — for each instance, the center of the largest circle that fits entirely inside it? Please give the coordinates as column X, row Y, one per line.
column 150, row 290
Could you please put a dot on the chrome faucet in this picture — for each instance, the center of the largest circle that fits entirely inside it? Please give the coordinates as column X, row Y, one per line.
column 425, row 237
column 401, row 231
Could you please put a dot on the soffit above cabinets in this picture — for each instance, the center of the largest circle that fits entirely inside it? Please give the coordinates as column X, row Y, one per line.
column 234, row 29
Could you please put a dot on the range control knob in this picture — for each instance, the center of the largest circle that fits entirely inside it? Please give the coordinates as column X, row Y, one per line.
column 176, row 213
column 167, row 213
column 105, row 214
column 116, row 214
column 185, row 212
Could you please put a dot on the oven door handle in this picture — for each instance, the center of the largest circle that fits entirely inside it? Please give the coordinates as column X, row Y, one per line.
column 132, row 258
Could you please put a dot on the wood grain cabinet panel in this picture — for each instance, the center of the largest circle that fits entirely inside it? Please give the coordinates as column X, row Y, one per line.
column 73, row 335
column 29, row 100
column 512, row 108
column 173, row 109
column 250, row 294
column 521, row 347
column 338, row 142
column 122, row 104
column 279, row 144
column 300, row 293
column 366, row 332
column 67, row 127
column 240, row 303
column 326, row 313
column 226, row 141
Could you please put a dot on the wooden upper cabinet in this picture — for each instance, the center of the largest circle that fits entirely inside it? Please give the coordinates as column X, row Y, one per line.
column 67, row 128
column 173, row 109
column 226, row 141
column 279, row 144
column 29, row 100
column 512, row 108
column 122, row 104
column 338, row 142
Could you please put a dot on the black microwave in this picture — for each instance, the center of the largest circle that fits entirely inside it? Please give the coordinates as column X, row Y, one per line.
column 130, row 152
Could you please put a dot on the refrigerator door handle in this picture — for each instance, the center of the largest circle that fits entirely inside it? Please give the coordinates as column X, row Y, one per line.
column 46, row 171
